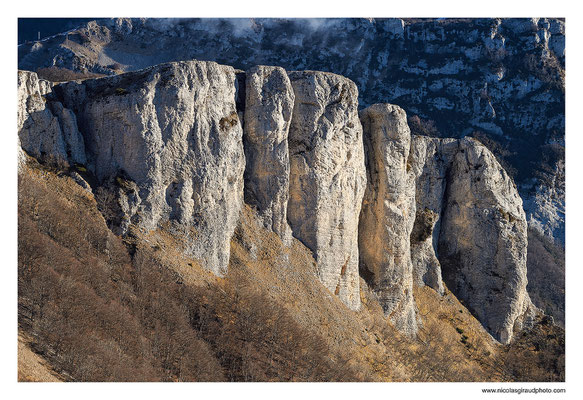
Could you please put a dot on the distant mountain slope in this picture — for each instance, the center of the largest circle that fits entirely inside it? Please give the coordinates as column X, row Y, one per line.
column 31, row 28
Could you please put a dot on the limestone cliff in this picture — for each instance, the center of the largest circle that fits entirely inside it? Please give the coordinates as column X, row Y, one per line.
column 501, row 77
column 269, row 102
column 165, row 147
column 429, row 160
column 483, row 241
column 388, row 213
column 46, row 130
column 440, row 210
column 327, row 177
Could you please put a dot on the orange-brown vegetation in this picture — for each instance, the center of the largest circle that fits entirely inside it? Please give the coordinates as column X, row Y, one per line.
column 58, row 74
column 96, row 307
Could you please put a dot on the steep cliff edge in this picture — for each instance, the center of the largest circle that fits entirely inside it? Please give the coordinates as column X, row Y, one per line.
column 46, row 130
column 164, row 148
column 442, row 210
column 483, row 241
column 388, row 213
column 327, row 177
column 164, row 144
column 269, row 102
column 497, row 78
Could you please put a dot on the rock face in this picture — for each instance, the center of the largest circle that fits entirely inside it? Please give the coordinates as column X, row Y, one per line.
column 483, row 241
column 441, row 210
column 502, row 77
column 268, row 110
column 388, row 213
column 168, row 142
column 429, row 159
column 164, row 147
column 327, row 177
column 46, row 130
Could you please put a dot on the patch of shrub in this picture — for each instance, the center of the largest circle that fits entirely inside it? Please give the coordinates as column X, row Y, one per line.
column 100, row 312
column 59, row 74
column 120, row 91
column 423, row 127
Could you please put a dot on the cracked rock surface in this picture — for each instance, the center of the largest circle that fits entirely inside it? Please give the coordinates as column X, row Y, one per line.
column 327, row 177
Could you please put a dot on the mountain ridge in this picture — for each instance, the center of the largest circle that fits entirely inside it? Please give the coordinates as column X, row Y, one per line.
column 498, row 79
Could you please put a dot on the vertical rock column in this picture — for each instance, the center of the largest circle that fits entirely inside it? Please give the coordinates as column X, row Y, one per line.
column 388, row 213
column 483, row 241
column 268, row 111
column 327, row 177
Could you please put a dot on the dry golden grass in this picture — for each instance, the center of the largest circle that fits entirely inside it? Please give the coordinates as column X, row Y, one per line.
column 31, row 366
column 450, row 346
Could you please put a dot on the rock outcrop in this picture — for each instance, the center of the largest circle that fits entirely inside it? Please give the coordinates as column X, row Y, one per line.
column 167, row 143
column 483, row 241
column 165, row 147
column 388, row 213
column 441, row 210
column 46, row 130
column 268, row 110
column 327, row 177
column 503, row 77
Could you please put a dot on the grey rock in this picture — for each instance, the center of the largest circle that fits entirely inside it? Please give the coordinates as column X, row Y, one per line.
column 483, row 241
column 81, row 182
column 268, row 111
column 388, row 213
column 46, row 130
column 327, row 177
column 429, row 160
column 426, row 266
column 165, row 144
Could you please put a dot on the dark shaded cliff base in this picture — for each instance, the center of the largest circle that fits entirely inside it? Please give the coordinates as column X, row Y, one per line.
column 94, row 307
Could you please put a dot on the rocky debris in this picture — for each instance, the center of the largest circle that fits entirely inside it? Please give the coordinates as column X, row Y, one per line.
column 429, row 160
column 483, row 241
column 327, row 177
column 388, row 213
column 46, row 130
column 268, row 110
column 165, row 144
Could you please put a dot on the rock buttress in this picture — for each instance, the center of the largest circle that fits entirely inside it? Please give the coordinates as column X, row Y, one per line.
column 268, row 111
column 483, row 241
column 327, row 177
column 388, row 213
column 167, row 141
column 46, row 130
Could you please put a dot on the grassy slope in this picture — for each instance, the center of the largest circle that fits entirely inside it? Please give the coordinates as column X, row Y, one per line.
column 99, row 308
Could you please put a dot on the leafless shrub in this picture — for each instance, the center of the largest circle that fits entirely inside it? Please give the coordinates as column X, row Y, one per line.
column 99, row 314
